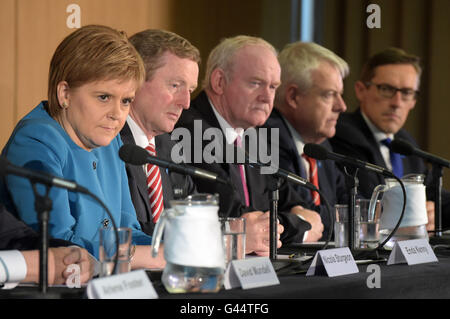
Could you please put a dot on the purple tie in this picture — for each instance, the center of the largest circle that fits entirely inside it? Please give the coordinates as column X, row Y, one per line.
column 238, row 143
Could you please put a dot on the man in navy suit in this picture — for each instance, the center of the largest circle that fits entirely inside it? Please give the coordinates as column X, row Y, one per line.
column 307, row 106
column 19, row 255
column 171, row 65
column 387, row 91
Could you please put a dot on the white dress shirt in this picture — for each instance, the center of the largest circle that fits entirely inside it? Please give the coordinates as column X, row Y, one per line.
column 379, row 136
column 13, row 268
column 231, row 133
column 300, row 145
column 140, row 138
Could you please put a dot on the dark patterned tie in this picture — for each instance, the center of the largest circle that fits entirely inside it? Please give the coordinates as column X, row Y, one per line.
column 396, row 159
column 155, row 194
column 238, row 143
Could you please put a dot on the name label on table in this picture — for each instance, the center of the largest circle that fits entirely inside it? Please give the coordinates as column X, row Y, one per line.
column 250, row 273
column 130, row 285
column 332, row 263
column 412, row 252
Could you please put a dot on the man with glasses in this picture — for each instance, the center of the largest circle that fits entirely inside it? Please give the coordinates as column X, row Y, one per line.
column 387, row 91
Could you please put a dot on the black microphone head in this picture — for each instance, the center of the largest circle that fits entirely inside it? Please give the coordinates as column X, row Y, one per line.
column 133, row 154
column 316, row 151
column 402, row 147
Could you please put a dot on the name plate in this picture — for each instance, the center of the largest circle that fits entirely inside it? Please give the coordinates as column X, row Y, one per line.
column 412, row 252
column 250, row 273
column 130, row 285
column 332, row 263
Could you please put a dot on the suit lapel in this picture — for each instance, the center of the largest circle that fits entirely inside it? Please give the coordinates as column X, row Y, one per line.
column 136, row 170
column 209, row 118
column 163, row 151
column 373, row 144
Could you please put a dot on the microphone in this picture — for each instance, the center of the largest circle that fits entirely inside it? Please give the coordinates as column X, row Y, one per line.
column 284, row 174
column 50, row 180
column 321, row 153
column 277, row 171
column 39, row 177
column 403, row 147
column 136, row 155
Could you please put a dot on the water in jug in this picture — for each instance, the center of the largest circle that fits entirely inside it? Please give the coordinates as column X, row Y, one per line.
column 413, row 225
column 193, row 246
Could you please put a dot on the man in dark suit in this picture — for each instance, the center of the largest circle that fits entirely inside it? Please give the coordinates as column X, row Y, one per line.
column 19, row 255
column 387, row 92
column 242, row 75
column 171, row 64
column 307, row 106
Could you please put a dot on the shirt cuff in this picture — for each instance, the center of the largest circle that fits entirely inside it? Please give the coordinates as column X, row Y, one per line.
column 306, row 232
column 13, row 267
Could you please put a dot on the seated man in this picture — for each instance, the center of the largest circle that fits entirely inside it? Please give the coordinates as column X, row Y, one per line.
column 387, row 91
column 19, row 255
column 307, row 106
column 171, row 66
column 242, row 74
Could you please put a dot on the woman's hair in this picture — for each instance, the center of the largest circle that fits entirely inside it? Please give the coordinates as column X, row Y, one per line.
column 152, row 44
column 89, row 54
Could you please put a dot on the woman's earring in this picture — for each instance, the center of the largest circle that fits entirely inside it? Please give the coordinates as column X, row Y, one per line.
column 64, row 105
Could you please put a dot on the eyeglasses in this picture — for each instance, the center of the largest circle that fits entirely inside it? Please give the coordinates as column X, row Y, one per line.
column 388, row 91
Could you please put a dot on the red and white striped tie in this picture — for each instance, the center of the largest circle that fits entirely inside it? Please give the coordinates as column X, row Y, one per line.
column 154, row 185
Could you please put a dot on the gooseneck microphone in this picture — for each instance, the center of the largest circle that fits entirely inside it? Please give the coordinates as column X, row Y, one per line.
column 292, row 178
column 136, row 155
column 321, row 153
column 403, row 147
column 279, row 172
column 43, row 206
column 39, row 177
column 276, row 171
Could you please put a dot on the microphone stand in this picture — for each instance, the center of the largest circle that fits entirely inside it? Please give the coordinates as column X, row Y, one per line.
column 43, row 206
column 353, row 182
column 274, row 187
column 437, row 179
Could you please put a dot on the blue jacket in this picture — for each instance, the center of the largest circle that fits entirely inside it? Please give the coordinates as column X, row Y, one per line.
column 40, row 143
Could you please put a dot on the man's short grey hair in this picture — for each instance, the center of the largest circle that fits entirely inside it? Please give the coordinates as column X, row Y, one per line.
column 222, row 55
column 298, row 60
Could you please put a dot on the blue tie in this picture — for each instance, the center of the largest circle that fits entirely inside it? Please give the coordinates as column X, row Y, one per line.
column 396, row 159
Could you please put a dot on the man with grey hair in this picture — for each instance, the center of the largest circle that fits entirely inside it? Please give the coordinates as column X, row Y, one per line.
column 242, row 75
column 307, row 106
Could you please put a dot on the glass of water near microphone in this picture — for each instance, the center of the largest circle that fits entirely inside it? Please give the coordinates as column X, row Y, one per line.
column 108, row 250
column 376, row 219
column 233, row 233
column 366, row 225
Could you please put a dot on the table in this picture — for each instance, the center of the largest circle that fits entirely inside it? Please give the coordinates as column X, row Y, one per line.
column 431, row 280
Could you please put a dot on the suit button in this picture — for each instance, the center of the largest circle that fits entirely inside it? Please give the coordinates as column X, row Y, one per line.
column 94, row 165
column 105, row 223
